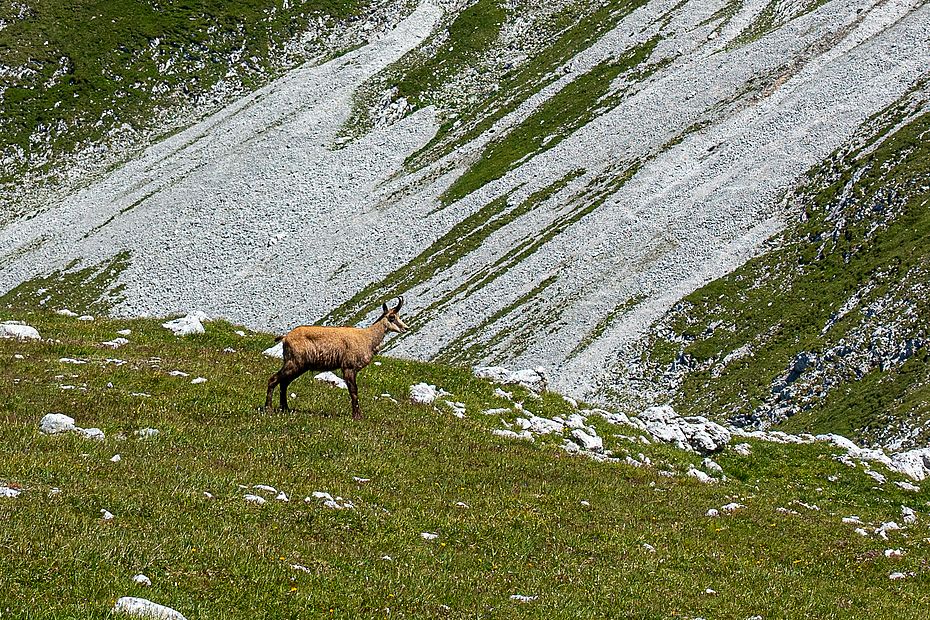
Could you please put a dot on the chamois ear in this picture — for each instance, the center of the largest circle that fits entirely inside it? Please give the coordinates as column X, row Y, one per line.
column 384, row 309
column 400, row 302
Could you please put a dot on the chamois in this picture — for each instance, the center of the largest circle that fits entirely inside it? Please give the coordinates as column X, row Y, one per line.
column 328, row 348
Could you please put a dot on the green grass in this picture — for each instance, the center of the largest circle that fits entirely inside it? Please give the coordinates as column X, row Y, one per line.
column 577, row 104
column 92, row 289
column 567, row 31
column 863, row 222
column 467, row 39
column 93, row 64
column 525, row 530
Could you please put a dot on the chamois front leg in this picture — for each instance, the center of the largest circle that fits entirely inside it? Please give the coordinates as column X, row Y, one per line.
column 283, row 378
column 349, row 375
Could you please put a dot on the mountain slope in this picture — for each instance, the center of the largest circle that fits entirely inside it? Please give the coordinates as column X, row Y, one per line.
column 828, row 330
column 541, row 184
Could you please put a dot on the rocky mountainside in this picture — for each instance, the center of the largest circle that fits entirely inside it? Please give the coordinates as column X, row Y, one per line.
column 558, row 184
column 828, row 330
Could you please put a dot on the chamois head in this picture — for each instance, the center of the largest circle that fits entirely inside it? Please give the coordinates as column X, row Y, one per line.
column 391, row 315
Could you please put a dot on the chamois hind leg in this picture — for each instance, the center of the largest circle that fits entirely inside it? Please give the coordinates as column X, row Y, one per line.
column 272, row 384
column 349, row 375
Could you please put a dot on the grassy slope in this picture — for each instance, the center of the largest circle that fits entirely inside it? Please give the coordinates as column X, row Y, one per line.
column 525, row 530
column 557, row 36
column 862, row 235
column 94, row 65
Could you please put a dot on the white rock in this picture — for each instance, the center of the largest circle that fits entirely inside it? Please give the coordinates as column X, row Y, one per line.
column 629, row 460
column 879, row 478
column 539, row 425
column 711, row 466
column 115, row 343
column 502, row 394
column 116, row 458
column 54, row 423
column 894, row 553
column 694, row 433
column 332, row 379
column 897, row 576
column 713, row 512
column 907, row 486
column 649, row 548
column 106, row 515
column 265, row 488
column 425, row 394
column 208, row 494
column 908, row 515
column 124, row 332
column 198, row 380
column 585, row 503
column 700, row 476
column 710, row 592
column 458, row 409
column 147, row 432
column 143, row 608
column 142, row 580
column 18, row 331
column 187, row 325
column 90, row 433
column 7, row 492
column 861, row 531
column 275, row 351
column 853, row 520
column 731, row 507
column 85, row 317
column 254, row 499
column 65, row 312
column 496, row 411
column 71, row 360
column 743, row 449
column 428, row 536
column 591, row 443
column 534, row 380
column 301, row 568
column 914, row 463
column 282, row 497
column 884, row 528
column 522, row 598
column 322, row 495
column 509, row 434
column 360, row 480
column 178, row 373
column 335, row 504
column 576, row 420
